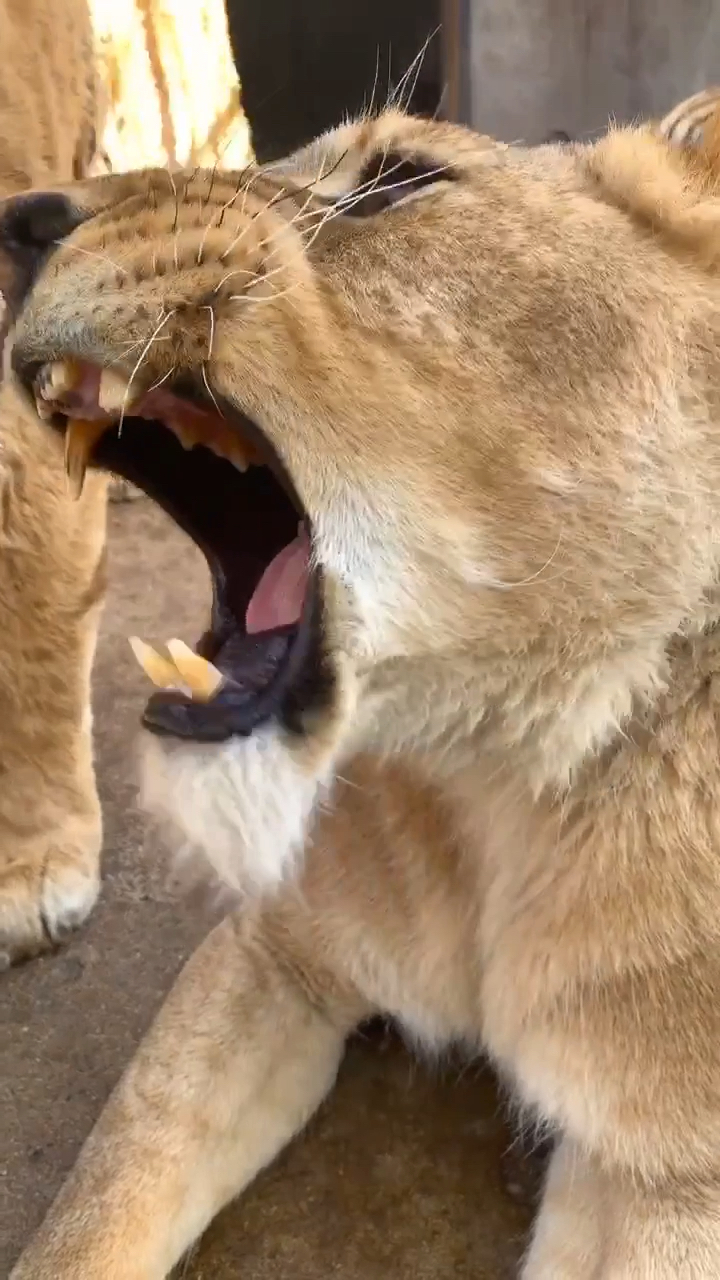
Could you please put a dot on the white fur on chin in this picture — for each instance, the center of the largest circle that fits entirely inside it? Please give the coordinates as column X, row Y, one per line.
column 245, row 805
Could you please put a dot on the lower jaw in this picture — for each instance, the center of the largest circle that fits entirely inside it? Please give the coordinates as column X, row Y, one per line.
column 276, row 676
column 252, row 671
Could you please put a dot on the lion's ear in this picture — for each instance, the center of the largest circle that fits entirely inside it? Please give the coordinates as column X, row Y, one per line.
column 666, row 175
column 694, row 128
column 686, row 124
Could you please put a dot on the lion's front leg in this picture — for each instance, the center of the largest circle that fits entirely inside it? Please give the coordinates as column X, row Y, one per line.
column 597, row 1224
column 244, row 1050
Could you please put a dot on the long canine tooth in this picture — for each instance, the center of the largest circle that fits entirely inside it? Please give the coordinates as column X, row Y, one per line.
column 201, row 677
column 112, row 391
column 160, row 670
column 80, row 439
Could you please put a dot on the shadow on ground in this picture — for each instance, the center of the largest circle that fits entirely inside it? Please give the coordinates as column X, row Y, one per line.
column 399, row 1176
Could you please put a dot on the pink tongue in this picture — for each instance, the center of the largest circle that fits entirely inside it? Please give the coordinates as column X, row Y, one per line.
column 279, row 596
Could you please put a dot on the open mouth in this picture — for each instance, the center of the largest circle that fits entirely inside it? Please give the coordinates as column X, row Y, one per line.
column 219, row 479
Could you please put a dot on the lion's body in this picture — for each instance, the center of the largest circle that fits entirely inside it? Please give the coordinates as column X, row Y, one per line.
column 498, row 403
column 50, row 549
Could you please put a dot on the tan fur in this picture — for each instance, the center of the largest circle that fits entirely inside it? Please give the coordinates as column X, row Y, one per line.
column 499, row 404
column 51, row 551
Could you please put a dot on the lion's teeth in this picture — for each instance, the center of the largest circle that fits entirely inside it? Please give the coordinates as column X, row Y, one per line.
column 160, row 670
column 80, row 440
column 185, row 434
column 60, row 377
column 112, row 392
column 238, row 456
column 201, row 677
column 184, row 669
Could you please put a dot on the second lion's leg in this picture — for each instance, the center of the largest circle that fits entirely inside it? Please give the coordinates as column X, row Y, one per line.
column 52, row 579
column 243, row 1052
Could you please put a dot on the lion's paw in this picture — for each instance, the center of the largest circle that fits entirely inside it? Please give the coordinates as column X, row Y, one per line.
column 47, row 890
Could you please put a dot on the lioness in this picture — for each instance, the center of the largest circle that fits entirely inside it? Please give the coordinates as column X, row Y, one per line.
column 444, row 418
column 51, row 551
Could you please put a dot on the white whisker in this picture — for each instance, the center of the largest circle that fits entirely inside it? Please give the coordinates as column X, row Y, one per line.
column 244, row 230
column 160, row 381
column 368, row 113
column 210, row 392
column 239, row 271
column 271, row 297
column 413, row 72
column 212, row 330
column 141, row 357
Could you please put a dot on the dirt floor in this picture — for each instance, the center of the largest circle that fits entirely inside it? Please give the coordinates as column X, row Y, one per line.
column 399, row 1176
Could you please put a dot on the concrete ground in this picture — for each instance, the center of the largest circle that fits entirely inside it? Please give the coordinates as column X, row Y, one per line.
column 399, row 1176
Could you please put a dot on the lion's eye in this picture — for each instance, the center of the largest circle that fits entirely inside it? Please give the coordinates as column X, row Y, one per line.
column 389, row 178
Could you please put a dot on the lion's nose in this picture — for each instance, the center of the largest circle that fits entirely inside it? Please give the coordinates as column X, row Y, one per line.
column 31, row 227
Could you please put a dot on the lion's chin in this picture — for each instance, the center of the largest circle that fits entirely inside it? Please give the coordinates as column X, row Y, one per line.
column 244, row 806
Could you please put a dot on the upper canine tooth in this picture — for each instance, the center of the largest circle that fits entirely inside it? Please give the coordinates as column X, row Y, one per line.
column 80, row 439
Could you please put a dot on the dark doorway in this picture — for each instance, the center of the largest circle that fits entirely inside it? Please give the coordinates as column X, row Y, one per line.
column 304, row 64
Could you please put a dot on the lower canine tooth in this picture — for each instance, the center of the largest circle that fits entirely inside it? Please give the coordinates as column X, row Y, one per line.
column 201, row 677
column 161, row 671
column 80, row 440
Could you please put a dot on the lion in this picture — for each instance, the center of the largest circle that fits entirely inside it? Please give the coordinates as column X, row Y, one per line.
column 442, row 416
column 51, row 550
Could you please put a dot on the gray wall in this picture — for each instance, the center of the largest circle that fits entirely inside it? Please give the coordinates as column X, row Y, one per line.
column 542, row 65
